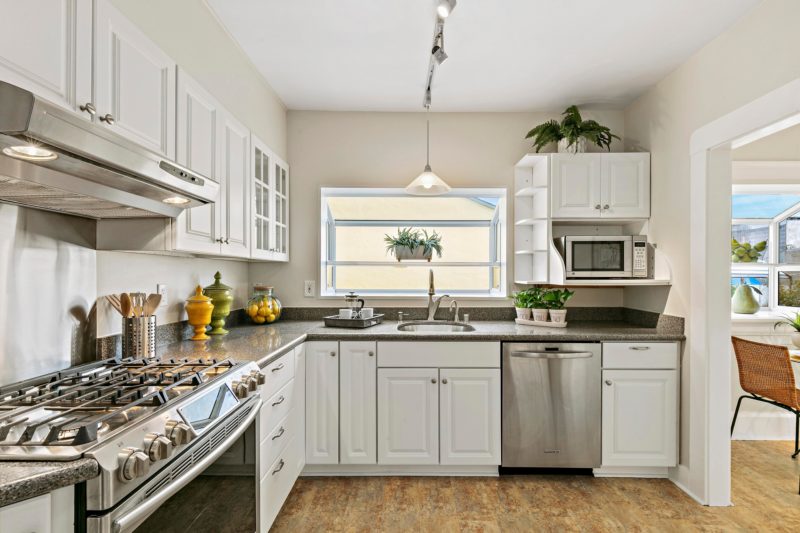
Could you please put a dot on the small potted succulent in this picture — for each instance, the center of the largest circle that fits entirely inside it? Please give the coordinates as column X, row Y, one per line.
column 537, row 303
column 522, row 300
column 794, row 323
column 555, row 300
column 572, row 133
column 413, row 244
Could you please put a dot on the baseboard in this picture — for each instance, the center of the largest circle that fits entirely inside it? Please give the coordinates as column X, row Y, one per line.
column 764, row 426
column 400, row 470
column 632, row 471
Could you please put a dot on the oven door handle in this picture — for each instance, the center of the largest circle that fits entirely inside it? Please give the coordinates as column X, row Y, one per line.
column 131, row 520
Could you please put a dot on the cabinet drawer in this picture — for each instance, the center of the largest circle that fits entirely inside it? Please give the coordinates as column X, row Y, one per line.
column 278, row 373
column 661, row 355
column 275, row 441
column 439, row 354
column 276, row 484
column 276, row 408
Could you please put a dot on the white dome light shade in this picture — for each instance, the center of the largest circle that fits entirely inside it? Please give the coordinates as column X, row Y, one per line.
column 445, row 7
column 427, row 184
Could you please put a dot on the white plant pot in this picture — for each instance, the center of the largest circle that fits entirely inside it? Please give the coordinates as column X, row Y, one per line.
column 578, row 147
column 402, row 252
column 796, row 339
column 523, row 312
column 558, row 316
column 540, row 315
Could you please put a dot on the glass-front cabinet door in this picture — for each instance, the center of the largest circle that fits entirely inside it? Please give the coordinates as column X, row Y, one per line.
column 270, row 205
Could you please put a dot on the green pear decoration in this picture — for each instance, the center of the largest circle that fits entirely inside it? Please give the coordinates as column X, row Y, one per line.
column 744, row 302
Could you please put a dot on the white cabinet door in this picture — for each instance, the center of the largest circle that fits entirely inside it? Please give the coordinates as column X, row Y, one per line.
column 470, row 416
column 134, row 82
column 575, row 186
column 199, row 148
column 46, row 48
column 322, row 402
column 640, row 417
column 270, row 204
column 299, row 405
column 235, row 181
column 357, row 400
column 626, row 185
column 281, row 188
column 408, row 416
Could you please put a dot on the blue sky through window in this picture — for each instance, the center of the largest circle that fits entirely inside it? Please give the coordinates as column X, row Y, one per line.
column 762, row 205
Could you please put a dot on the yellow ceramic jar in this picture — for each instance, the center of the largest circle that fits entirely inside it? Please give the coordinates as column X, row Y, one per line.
column 199, row 308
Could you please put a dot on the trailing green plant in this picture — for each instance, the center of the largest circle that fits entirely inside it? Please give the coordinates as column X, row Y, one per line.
column 572, row 127
column 744, row 252
column 556, row 298
column 788, row 320
column 413, row 239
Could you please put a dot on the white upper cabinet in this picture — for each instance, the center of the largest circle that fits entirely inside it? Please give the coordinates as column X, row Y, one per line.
column 236, row 182
column 46, row 48
column 199, row 127
column 470, row 416
column 357, row 400
column 134, row 82
column 600, row 185
column 270, row 204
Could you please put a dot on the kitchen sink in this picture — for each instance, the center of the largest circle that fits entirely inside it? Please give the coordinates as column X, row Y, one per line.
column 435, row 325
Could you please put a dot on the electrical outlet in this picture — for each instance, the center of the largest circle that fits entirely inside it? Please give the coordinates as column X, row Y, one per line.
column 308, row 288
column 162, row 290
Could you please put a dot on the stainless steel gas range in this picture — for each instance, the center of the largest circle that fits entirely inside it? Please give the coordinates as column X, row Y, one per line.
column 152, row 425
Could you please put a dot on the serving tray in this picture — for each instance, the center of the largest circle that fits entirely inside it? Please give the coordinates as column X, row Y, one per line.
column 544, row 323
column 357, row 323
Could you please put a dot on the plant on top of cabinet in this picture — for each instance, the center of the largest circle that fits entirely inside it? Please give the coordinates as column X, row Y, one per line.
column 572, row 133
column 555, row 299
column 413, row 244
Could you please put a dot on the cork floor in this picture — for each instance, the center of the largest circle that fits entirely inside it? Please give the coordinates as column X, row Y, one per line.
column 764, row 483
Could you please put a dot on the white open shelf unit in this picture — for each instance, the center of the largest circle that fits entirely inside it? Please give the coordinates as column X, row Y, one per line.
column 536, row 259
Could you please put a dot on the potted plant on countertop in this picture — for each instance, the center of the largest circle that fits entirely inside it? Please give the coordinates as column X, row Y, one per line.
column 743, row 301
column 572, row 133
column 522, row 300
column 555, row 300
column 413, row 244
column 794, row 323
column 538, row 304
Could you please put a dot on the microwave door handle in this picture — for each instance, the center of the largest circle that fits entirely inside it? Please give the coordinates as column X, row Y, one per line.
column 552, row 355
column 133, row 519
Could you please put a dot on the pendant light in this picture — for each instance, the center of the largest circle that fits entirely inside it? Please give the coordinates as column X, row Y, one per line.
column 428, row 183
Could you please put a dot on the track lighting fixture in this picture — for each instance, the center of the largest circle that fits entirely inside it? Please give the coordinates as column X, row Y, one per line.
column 438, row 48
column 445, row 8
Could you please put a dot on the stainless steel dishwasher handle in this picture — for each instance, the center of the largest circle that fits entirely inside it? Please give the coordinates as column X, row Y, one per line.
column 552, row 355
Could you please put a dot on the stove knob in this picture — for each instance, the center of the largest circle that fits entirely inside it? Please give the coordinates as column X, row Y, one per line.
column 133, row 463
column 158, row 446
column 252, row 383
column 178, row 432
column 259, row 377
column 240, row 389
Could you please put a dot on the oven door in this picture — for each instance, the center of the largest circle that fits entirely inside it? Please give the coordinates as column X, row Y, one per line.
column 193, row 461
column 599, row 256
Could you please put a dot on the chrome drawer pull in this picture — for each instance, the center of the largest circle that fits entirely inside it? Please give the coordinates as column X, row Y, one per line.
column 280, row 366
column 280, row 467
column 280, row 434
column 280, row 401
column 639, row 348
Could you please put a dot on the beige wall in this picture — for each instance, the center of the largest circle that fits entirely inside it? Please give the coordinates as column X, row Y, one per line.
column 351, row 149
column 750, row 59
column 781, row 146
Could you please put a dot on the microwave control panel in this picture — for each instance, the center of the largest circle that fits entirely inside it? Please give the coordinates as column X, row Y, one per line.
column 639, row 259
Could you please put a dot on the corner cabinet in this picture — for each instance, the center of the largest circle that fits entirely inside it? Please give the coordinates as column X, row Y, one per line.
column 600, row 185
column 270, row 204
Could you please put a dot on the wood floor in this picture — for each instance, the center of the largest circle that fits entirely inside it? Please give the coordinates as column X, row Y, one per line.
column 765, row 496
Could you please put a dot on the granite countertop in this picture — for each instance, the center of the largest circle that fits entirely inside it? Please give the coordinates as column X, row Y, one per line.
column 263, row 344
column 20, row 480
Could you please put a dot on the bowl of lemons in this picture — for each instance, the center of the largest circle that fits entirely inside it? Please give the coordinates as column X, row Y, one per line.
column 263, row 307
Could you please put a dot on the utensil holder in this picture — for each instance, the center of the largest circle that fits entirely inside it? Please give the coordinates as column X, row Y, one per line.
column 139, row 336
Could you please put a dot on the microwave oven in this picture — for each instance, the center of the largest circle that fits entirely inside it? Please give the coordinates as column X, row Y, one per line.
column 605, row 256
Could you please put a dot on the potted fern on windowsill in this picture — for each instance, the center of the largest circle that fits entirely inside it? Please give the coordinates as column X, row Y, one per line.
column 411, row 244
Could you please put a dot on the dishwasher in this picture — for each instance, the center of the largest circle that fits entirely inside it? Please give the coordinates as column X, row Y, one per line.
column 551, row 405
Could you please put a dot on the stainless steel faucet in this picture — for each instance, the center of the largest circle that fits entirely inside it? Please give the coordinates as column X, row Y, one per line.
column 433, row 302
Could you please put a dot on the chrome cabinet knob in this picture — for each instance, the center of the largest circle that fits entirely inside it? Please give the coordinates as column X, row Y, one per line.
column 444, row 381
column 178, row 432
column 433, row 380
column 158, row 446
column 108, row 118
column 371, row 353
column 89, row 107
column 333, row 354
column 609, row 382
column 597, row 206
column 606, row 206
column 133, row 463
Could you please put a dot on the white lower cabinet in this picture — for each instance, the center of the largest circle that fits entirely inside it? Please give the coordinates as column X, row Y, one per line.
column 322, row 402
column 48, row 513
column 469, row 416
column 640, row 417
column 357, row 409
column 408, row 416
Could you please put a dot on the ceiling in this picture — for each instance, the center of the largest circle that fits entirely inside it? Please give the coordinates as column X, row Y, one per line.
column 505, row 55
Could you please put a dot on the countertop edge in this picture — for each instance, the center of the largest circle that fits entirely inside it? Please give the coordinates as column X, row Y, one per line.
column 283, row 350
column 42, row 482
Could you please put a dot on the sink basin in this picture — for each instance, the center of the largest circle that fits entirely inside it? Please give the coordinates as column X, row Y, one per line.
column 434, row 326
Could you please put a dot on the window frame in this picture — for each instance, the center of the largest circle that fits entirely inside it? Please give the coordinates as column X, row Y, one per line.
column 497, row 243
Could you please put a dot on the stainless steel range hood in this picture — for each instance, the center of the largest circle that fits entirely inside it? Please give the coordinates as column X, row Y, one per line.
column 95, row 173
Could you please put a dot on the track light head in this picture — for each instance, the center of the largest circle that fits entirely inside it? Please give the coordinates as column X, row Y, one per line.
column 438, row 49
column 445, row 7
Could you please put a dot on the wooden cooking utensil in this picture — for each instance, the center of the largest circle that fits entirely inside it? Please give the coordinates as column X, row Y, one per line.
column 151, row 304
column 114, row 301
column 126, row 305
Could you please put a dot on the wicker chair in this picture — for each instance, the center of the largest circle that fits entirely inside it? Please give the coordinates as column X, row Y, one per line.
column 765, row 372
